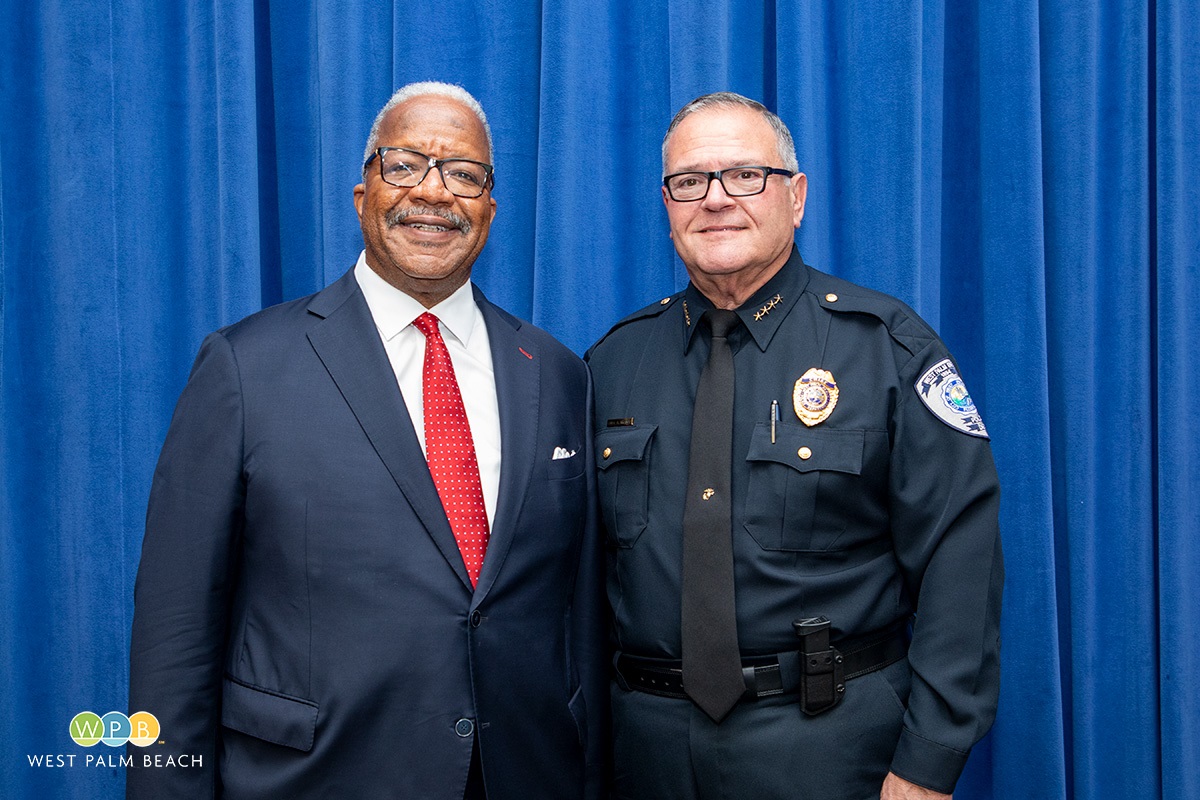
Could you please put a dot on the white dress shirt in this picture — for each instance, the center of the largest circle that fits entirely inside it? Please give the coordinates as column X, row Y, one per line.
column 466, row 337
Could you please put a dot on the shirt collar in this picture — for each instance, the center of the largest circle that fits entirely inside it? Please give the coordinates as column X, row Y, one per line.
column 763, row 312
column 393, row 310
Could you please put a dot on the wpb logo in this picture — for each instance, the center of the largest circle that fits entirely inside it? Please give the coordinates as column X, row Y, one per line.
column 114, row 729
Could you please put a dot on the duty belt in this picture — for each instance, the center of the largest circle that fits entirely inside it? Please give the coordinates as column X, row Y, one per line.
column 780, row 673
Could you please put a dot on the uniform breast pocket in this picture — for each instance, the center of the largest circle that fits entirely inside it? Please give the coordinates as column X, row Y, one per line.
column 623, row 467
column 793, row 478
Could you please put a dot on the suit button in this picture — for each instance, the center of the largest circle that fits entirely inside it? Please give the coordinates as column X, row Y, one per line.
column 476, row 618
column 464, row 727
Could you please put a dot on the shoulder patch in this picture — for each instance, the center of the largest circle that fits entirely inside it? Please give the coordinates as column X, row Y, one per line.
column 943, row 392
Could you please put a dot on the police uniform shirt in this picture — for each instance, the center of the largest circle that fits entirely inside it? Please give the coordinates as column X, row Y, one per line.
column 886, row 507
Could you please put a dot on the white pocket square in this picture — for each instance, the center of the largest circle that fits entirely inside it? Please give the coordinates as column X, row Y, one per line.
column 562, row 452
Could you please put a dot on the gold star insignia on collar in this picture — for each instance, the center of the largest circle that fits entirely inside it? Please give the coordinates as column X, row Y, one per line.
column 686, row 316
column 762, row 312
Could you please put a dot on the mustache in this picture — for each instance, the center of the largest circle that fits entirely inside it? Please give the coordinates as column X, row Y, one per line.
column 397, row 216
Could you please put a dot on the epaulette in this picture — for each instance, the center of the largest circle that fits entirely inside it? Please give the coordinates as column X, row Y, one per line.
column 903, row 324
column 652, row 310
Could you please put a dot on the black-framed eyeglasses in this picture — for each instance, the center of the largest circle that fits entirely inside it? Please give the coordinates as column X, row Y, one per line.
column 462, row 176
column 687, row 187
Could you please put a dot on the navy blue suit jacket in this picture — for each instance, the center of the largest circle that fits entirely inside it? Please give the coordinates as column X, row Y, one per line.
column 304, row 622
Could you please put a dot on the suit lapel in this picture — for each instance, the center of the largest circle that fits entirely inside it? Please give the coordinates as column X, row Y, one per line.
column 348, row 345
column 517, row 370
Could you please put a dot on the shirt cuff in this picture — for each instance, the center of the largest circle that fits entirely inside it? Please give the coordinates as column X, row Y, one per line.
column 927, row 763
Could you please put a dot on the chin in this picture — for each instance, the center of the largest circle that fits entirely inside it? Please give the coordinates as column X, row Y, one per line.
column 430, row 277
column 720, row 266
column 428, row 265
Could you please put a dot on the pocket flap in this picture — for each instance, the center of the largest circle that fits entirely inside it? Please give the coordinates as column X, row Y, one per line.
column 269, row 716
column 809, row 449
column 614, row 445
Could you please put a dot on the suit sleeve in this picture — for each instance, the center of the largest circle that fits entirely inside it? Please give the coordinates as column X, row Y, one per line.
column 945, row 498
column 185, row 579
column 589, row 634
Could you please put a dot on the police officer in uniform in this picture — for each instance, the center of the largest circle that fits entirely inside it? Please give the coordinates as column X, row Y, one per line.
column 801, row 508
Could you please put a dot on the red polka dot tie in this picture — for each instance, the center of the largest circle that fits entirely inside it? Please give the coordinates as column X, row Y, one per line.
column 450, row 449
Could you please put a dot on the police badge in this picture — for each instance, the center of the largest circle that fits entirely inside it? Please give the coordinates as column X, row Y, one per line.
column 943, row 392
column 815, row 396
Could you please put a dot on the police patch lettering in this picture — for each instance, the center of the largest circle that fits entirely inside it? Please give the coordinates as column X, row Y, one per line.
column 943, row 392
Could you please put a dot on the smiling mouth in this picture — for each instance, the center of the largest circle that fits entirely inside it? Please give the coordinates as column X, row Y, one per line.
column 430, row 220
column 722, row 228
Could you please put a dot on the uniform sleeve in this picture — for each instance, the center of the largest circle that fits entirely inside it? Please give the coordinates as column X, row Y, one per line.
column 945, row 499
column 589, row 634
column 184, row 580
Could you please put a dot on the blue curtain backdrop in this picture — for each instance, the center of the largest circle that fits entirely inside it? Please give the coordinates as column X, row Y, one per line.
column 1024, row 173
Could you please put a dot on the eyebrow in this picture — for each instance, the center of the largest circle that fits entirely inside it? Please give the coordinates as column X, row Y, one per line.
column 439, row 158
column 734, row 165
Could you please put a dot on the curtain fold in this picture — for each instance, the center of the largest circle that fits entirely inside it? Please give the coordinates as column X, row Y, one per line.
column 1175, row 283
column 1023, row 174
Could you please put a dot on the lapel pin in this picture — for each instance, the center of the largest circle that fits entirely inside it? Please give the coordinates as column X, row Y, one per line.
column 522, row 349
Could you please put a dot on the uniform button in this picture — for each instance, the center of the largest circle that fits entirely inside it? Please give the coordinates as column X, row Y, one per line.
column 664, row 301
column 804, row 453
column 831, row 298
column 607, row 452
column 464, row 727
column 476, row 618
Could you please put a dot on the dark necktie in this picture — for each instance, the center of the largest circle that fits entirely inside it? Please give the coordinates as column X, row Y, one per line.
column 450, row 449
column 712, row 664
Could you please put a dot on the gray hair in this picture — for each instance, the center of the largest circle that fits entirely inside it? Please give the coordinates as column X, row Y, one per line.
column 783, row 137
column 421, row 89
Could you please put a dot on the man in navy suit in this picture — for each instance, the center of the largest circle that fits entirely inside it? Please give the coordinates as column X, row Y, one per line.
column 370, row 567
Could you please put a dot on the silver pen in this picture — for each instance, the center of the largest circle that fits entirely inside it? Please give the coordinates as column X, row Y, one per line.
column 774, row 416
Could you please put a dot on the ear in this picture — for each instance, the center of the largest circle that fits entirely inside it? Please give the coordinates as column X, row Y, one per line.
column 666, row 202
column 799, row 193
column 492, row 201
column 360, row 196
